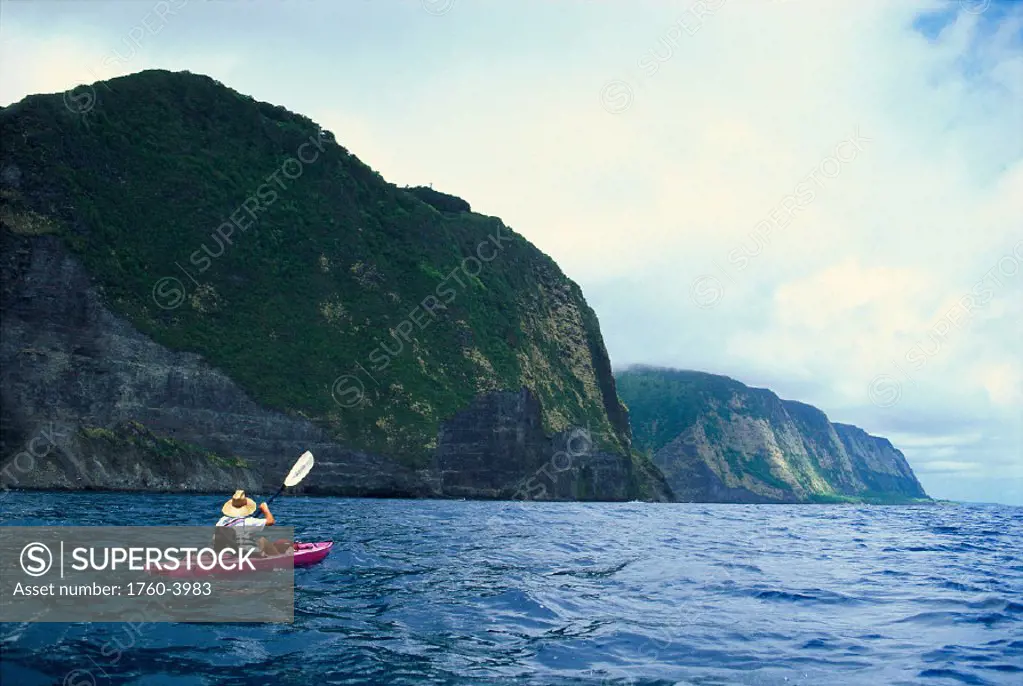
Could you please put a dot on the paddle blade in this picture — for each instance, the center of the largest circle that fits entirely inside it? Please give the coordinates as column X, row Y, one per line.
column 299, row 471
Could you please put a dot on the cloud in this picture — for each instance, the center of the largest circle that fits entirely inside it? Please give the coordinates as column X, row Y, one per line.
column 939, row 441
column 1003, row 382
column 67, row 54
column 843, row 306
column 941, row 466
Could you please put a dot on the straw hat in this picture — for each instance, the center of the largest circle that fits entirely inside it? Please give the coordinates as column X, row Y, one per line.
column 239, row 505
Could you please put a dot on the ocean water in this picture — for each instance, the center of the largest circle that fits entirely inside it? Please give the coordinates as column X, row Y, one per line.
column 449, row 592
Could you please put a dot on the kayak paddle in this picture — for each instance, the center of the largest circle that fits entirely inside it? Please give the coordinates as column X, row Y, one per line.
column 298, row 472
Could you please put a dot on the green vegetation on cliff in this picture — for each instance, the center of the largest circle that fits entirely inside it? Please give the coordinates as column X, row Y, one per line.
column 133, row 435
column 716, row 439
column 241, row 231
column 663, row 403
column 438, row 200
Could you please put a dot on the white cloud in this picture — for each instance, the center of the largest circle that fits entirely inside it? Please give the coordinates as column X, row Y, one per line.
column 1003, row 382
column 943, row 466
column 933, row 441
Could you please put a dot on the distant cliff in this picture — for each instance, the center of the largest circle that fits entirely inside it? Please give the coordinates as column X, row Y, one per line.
column 187, row 272
column 717, row 440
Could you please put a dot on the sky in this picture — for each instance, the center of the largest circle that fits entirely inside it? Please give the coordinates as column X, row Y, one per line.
column 821, row 198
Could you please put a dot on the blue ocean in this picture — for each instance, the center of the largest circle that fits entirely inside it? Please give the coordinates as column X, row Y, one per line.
column 453, row 592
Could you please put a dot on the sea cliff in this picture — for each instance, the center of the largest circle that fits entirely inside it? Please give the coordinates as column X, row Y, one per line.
column 204, row 286
column 718, row 440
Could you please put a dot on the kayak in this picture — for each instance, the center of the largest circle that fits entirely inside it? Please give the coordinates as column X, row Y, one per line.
column 308, row 554
column 305, row 555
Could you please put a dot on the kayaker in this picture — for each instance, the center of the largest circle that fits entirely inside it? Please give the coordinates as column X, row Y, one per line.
column 239, row 526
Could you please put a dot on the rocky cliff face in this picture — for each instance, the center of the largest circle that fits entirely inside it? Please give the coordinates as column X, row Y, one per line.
column 176, row 311
column 89, row 402
column 717, row 440
column 126, row 457
column 67, row 360
column 485, row 449
column 879, row 466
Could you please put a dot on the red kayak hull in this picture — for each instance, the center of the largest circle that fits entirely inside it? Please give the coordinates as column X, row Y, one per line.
column 305, row 555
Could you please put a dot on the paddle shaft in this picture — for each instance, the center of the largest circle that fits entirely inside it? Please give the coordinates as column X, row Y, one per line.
column 279, row 491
